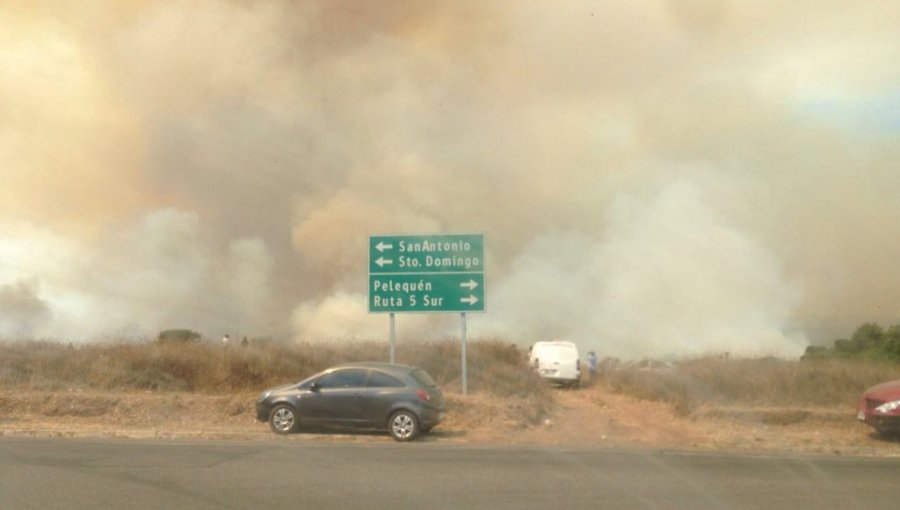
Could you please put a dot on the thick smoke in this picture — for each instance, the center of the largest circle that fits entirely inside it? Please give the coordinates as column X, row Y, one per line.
column 23, row 309
column 669, row 276
column 651, row 178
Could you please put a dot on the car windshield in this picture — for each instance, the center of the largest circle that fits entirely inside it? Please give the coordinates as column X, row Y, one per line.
column 556, row 352
column 423, row 378
column 564, row 353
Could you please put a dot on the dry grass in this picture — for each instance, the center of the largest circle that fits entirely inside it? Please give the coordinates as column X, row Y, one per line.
column 206, row 391
column 713, row 381
column 494, row 367
column 158, row 384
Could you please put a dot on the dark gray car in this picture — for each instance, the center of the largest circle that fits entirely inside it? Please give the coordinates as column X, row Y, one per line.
column 402, row 399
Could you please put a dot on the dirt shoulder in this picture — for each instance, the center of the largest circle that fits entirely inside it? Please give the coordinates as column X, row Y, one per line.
column 587, row 417
column 593, row 416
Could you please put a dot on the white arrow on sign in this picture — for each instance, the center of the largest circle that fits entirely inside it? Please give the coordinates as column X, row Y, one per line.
column 381, row 261
column 381, row 246
column 471, row 300
column 471, row 284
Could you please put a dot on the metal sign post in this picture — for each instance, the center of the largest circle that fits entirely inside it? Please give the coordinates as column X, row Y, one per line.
column 463, row 349
column 393, row 337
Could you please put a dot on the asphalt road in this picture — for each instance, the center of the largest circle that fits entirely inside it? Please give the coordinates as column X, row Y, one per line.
column 92, row 474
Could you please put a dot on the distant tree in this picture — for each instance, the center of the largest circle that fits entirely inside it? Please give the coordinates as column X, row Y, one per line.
column 868, row 336
column 869, row 341
column 892, row 332
column 815, row 352
column 178, row 336
column 890, row 347
column 844, row 346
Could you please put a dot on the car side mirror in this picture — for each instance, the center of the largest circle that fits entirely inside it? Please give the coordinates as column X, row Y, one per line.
column 315, row 386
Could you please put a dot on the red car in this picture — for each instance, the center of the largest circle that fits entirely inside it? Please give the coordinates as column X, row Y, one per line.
column 879, row 407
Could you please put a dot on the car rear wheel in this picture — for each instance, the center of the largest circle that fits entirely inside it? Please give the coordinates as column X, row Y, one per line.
column 283, row 419
column 403, row 426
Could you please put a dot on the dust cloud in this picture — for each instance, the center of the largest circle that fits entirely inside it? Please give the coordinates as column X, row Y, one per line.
column 654, row 178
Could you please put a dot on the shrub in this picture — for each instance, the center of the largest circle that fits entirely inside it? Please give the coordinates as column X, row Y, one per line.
column 178, row 336
column 754, row 382
column 869, row 341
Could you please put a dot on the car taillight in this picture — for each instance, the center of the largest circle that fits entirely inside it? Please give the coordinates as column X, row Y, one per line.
column 423, row 395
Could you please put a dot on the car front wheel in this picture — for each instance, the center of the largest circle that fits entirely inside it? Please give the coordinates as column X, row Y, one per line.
column 888, row 433
column 403, row 426
column 283, row 419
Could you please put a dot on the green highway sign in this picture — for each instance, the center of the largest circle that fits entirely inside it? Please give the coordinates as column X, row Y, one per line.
column 453, row 292
column 450, row 253
column 426, row 273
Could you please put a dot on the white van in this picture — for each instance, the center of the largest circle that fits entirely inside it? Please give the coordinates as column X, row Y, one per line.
column 557, row 361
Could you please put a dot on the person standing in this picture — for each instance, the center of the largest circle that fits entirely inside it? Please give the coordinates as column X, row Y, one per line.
column 592, row 366
column 225, row 340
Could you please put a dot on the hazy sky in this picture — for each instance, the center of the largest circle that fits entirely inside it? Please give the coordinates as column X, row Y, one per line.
column 651, row 177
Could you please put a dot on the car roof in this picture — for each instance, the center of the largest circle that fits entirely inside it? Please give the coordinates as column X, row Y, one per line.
column 386, row 367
